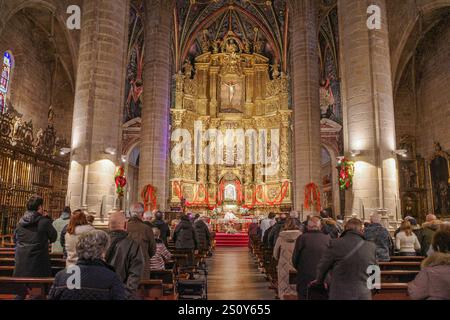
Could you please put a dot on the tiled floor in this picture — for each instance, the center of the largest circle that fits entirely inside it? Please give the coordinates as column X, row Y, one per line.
column 233, row 275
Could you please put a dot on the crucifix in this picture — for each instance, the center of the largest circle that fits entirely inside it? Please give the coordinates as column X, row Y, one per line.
column 231, row 91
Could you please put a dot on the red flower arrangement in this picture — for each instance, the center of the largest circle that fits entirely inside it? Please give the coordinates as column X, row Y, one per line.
column 346, row 173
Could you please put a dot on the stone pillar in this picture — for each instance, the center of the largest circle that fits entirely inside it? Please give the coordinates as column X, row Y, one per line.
column 98, row 105
column 305, row 86
column 369, row 125
column 155, row 157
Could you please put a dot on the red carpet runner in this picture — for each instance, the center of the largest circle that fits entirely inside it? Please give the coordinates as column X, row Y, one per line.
column 231, row 240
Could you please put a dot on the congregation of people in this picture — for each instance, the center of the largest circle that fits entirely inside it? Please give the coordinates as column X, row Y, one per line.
column 332, row 257
column 111, row 262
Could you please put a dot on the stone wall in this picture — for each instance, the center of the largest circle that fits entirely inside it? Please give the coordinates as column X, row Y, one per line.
column 30, row 85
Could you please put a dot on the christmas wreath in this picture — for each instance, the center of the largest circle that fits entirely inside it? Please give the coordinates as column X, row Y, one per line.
column 120, row 181
column 346, row 172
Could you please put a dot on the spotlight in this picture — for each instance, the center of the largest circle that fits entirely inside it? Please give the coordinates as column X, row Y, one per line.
column 111, row 151
column 401, row 152
column 64, row 151
column 124, row 159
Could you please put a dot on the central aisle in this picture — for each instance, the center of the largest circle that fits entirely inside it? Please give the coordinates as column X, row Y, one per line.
column 234, row 275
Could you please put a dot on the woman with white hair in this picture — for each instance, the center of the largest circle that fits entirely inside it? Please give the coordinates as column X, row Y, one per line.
column 91, row 278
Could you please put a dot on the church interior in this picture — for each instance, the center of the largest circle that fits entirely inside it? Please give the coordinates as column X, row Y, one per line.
column 243, row 121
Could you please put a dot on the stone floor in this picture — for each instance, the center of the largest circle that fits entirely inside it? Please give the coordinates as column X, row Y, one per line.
column 233, row 275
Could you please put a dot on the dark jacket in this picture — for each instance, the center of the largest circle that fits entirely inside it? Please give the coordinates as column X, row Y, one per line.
column 273, row 234
column 203, row 235
column 329, row 227
column 33, row 236
column 266, row 241
column 425, row 236
column 164, row 230
column 308, row 251
column 98, row 282
column 62, row 240
column 379, row 235
column 142, row 233
column 348, row 258
column 127, row 258
column 184, row 235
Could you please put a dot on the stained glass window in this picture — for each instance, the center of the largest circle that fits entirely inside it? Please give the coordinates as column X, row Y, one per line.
column 4, row 79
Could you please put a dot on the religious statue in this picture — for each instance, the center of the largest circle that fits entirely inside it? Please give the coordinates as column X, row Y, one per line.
column 231, row 92
column 231, row 47
column 439, row 168
column 275, row 70
column 327, row 101
column 247, row 47
column 205, row 42
column 187, row 66
column 216, row 46
column 409, row 177
column 51, row 115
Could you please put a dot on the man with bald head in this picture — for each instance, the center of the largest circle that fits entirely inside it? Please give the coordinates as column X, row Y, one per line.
column 426, row 233
column 125, row 254
column 308, row 250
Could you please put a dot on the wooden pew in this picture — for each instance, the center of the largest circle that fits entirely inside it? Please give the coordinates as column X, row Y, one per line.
column 168, row 279
column 391, row 291
column 398, row 276
column 400, row 258
column 8, row 271
column 37, row 287
column 58, row 263
column 151, row 290
column 400, row 265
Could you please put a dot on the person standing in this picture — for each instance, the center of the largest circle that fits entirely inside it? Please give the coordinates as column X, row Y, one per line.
column 59, row 225
column 142, row 233
column 77, row 226
column 379, row 235
column 348, row 258
column 162, row 226
column 282, row 252
column 33, row 236
column 273, row 235
column 308, row 250
column 203, row 235
column 266, row 224
column 427, row 232
column 125, row 255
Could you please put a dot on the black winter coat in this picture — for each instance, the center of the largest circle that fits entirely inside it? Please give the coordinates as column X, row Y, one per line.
column 163, row 229
column 308, row 251
column 184, row 235
column 275, row 232
column 126, row 257
column 98, row 282
column 203, row 235
column 33, row 236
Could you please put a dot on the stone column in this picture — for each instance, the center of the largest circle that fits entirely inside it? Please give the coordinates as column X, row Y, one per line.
column 155, row 157
column 369, row 125
column 98, row 106
column 305, row 89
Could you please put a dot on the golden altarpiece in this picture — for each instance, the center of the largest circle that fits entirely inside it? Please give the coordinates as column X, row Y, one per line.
column 229, row 87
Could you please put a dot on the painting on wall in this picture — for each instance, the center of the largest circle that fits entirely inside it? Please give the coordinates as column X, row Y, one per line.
column 440, row 183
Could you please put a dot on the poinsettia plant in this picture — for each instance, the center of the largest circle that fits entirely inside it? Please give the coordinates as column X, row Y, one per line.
column 120, row 181
column 346, row 172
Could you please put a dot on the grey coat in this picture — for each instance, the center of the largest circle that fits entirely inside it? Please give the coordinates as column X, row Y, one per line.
column 348, row 259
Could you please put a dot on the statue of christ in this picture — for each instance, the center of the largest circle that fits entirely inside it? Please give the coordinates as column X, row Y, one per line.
column 231, row 91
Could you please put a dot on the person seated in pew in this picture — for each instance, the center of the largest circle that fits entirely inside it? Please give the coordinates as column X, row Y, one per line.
column 162, row 255
column 98, row 280
column 406, row 242
column 162, row 226
column 433, row 281
column 125, row 254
